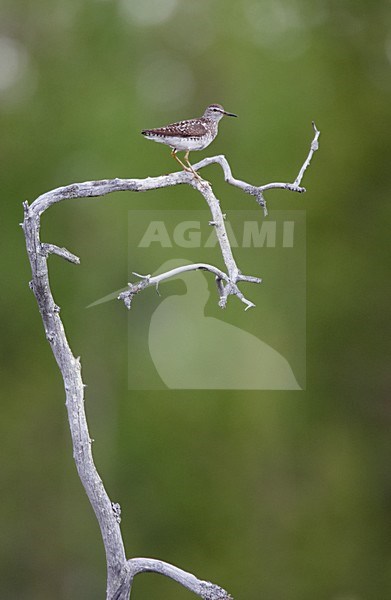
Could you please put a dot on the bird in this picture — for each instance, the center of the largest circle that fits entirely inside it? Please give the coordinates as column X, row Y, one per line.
column 189, row 135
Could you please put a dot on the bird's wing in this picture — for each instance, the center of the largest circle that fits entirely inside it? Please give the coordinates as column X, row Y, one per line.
column 181, row 129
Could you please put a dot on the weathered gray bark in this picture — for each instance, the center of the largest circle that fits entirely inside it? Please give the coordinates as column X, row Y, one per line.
column 120, row 571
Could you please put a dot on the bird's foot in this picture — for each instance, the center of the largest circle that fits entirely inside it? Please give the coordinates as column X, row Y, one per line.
column 190, row 168
column 199, row 178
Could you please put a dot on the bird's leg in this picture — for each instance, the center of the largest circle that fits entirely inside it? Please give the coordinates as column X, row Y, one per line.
column 174, row 155
column 190, row 166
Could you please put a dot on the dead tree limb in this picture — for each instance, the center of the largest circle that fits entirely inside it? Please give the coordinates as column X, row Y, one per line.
column 120, row 570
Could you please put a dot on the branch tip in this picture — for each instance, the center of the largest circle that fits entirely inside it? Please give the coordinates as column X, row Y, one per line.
column 134, row 289
column 211, row 591
column 223, row 302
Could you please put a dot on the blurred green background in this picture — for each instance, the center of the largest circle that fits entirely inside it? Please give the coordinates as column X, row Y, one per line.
column 275, row 495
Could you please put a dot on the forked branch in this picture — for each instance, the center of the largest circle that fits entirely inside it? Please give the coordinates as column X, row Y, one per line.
column 120, row 570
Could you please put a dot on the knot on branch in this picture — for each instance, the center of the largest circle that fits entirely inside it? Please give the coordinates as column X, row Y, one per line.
column 134, row 289
column 259, row 197
column 116, row 510
column 291, row 187
column 210, row 591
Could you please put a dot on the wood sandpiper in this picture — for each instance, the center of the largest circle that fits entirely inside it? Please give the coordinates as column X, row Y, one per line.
column 193, row 134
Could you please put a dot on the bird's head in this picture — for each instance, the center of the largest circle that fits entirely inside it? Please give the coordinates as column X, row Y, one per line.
column 215, row 112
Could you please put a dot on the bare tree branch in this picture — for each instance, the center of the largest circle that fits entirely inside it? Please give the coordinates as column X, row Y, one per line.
column 47, row 249
column 120, row 571
column 205, row 589
column 313, row 149
column 148, row 281
column 258, row 191
column 233, row 273
column 103, row 187
column 70, row 368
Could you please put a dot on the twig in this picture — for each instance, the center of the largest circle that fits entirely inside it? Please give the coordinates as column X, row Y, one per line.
column 148, row 281
column 313, row 149
column 47, row 249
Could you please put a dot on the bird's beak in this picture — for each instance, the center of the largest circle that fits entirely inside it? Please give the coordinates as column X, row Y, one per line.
column 229, row 114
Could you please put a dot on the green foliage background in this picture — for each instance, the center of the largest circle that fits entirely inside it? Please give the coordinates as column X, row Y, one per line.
column 282, row 496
